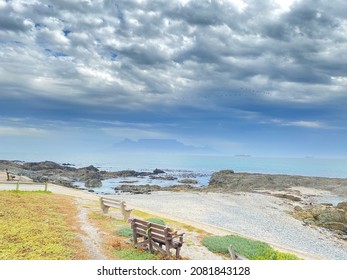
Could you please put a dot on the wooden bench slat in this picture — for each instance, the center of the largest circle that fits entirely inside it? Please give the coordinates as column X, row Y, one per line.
column 156, row 236
column 137, row 221
column 111, row 203
column 107, row 202
column 140, row 226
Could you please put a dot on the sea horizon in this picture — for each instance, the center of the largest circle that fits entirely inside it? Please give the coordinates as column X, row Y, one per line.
column 207, row 164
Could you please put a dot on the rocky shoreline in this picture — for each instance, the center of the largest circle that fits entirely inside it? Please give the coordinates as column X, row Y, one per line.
column 66, row 175
column 299, row 192
column 225, row 181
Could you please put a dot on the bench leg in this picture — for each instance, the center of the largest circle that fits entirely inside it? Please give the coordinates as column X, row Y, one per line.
column 126, row 214
column 167, row 247
column 178, row 249
column 104, row 207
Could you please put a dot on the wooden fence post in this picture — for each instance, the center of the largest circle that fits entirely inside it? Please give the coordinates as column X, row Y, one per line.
column 17, row 187
column 46, row 186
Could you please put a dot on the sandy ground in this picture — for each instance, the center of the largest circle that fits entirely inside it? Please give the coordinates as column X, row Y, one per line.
column 253, row 215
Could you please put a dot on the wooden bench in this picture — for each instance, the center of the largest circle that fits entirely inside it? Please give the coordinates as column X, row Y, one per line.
column 155, row 236
column 107, row 202
column 10, row 177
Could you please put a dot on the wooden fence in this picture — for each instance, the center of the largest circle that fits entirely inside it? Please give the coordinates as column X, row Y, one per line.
column 18, row 183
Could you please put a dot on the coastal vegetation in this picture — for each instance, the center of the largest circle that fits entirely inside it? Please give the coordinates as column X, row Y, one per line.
column 38, row 226
column 250, row 249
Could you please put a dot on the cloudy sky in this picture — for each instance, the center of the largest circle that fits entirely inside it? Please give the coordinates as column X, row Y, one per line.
column 266, row 78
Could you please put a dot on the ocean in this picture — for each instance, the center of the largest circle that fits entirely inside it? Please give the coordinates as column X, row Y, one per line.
column 200, row 167
column 321, row 167
column 197, row 167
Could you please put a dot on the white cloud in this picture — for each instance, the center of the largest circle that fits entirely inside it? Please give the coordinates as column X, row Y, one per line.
column 308, row 124
column 21, row 131
column 301, row 123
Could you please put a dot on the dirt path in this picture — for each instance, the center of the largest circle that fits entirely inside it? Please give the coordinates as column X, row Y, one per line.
column 91, row 238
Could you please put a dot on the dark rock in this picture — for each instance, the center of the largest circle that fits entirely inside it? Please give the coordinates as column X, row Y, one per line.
column 168, row 178
column 178, row 188
column 228, row 181
column 89, row 168
column 125, row 173
column 158, row 171
column 138, row 189
column 287, row 196
column 342, row 205
column 335, row 226
column 143, row 174
column 188, row 181
column 44, row 165
column 93, row 183
column 89, row 175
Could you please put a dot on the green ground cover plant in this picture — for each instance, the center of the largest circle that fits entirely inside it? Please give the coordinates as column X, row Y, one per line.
column 156, row 221
column 251, row 249
column 125, row 232
column 134, row 254
column 37, row 226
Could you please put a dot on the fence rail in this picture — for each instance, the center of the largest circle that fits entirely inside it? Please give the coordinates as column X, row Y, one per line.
column 18, row 183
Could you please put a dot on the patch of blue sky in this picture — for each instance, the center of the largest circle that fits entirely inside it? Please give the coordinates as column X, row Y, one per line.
column 39, row 25
column 114, row 56
column 56, row 53
column 60, row 53
column 66, row 32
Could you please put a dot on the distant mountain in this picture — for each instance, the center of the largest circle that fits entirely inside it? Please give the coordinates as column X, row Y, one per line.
column 160, row 145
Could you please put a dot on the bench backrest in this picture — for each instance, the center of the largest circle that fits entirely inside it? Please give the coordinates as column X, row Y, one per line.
column 111, row 202
column 158, row 232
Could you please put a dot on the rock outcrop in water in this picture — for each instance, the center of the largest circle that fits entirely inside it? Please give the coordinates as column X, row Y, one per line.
column 229, row 181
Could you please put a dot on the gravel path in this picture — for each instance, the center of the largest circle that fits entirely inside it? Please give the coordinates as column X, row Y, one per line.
column 253, row 215
column 91, row 238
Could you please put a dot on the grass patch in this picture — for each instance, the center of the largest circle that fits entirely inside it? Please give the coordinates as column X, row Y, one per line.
column 156, row 221
column 251, row 249
column 38, row 226
column 125, row 232
column 134, row 254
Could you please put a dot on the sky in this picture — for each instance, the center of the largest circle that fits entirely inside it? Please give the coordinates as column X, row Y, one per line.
column 262, row 78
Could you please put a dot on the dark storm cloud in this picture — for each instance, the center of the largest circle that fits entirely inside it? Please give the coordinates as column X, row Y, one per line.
column 249, row 62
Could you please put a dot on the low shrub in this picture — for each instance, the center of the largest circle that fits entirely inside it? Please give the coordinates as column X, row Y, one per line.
column 251, row 249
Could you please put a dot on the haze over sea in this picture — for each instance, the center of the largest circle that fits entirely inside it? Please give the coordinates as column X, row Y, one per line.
column 305, row 166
